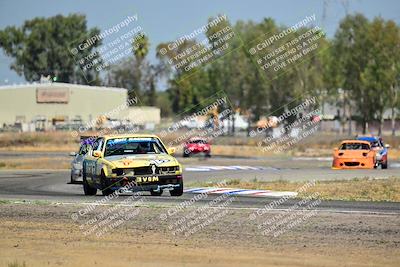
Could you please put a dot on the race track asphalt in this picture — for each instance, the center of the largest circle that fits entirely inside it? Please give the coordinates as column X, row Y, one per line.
column 51, row 185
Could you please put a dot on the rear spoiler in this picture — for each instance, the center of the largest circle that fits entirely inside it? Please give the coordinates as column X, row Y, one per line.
column 89, row 139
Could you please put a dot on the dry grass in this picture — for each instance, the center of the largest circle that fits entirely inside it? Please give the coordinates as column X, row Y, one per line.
column 35, row 163
column 40, row 141
column 318, row 145
column 360, row 189
column 32, row 139
column 16, row 264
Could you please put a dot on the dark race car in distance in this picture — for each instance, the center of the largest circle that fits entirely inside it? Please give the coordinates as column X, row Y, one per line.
column 197, row 145
column 380, row 148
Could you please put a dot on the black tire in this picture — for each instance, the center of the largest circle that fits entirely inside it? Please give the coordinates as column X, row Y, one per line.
column 105, row 189
column 185, row 154
column 87, row 189
column 208, row 155
column 155, row 193
column 177, row 192
column 384, row 165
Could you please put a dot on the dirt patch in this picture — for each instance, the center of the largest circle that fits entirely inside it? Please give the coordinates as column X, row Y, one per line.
column 46, row 235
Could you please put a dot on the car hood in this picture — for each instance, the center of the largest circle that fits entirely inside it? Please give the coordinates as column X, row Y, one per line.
column 132, row 161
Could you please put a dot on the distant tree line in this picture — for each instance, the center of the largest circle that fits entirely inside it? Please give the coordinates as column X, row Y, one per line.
column 358, row 70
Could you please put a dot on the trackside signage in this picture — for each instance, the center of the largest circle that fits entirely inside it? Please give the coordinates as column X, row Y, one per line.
column 52, row 95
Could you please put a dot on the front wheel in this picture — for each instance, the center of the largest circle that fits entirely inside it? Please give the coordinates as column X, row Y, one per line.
column 105, row 188
column 177, row 192
column 87, row 189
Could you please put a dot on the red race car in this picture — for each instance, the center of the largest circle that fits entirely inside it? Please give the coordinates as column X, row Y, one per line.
column 196, row 145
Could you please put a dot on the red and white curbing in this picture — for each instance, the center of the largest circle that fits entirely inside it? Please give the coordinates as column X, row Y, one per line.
column 240, row 192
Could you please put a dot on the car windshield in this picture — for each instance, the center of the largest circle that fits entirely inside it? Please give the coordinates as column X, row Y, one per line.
column 128, row 146
column 354, row 146
column 375, row 144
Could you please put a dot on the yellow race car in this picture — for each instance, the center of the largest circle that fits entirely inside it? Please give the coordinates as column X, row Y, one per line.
column 133, row 163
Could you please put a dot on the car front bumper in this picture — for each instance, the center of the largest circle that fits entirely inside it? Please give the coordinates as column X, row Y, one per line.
column 76, row 176
column 167, row 182
column 350, row 163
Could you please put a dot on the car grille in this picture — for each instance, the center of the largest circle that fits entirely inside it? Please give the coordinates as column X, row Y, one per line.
column 351, row 164
column 147, row 170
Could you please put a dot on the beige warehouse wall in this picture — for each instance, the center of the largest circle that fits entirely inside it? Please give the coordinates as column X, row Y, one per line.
column 85, row 101
column 142, row 115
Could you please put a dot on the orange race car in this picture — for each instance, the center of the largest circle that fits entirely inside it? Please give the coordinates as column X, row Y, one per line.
column 354, row 154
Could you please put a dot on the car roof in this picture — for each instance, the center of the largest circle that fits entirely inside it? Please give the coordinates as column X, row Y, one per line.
column 368, row 138
column 109, row 136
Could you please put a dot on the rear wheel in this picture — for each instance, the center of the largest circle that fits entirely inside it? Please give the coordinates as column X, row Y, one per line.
column 87, row 189
column 176, row 192
column 186, row 154
column 384, row 165
column 72, row 178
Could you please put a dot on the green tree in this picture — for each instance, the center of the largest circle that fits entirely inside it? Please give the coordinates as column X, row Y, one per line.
column 378, row 75
column 351, row 48
column 136, row 73
column 41, row 46
column 390, row 55
column 185, row 89
column 140, row 47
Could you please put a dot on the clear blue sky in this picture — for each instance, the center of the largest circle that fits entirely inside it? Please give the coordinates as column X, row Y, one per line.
column 167, row 20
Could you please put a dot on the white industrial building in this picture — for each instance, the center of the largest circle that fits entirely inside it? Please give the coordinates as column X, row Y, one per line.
column 52, row 104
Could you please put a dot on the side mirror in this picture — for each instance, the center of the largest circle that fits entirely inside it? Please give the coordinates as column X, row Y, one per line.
column 72, row 154
column 171, row 150
column 387, row 146
column 96, row 154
